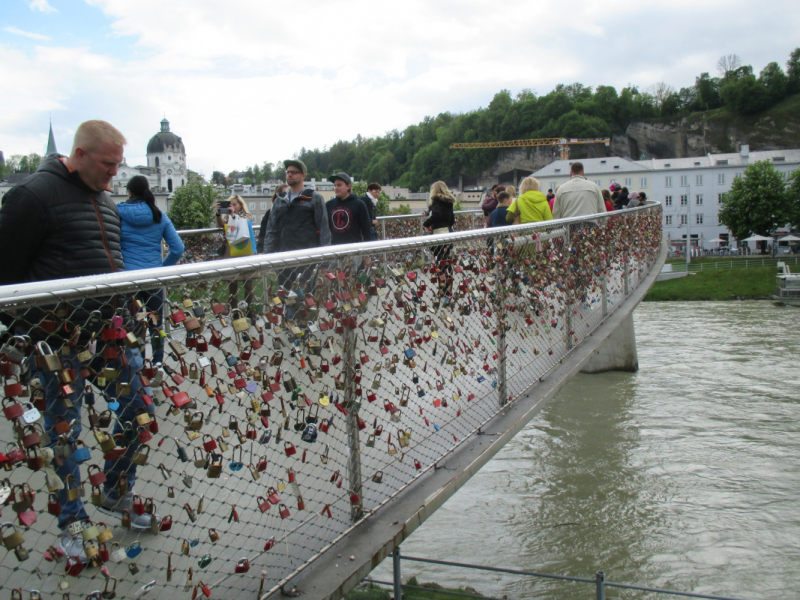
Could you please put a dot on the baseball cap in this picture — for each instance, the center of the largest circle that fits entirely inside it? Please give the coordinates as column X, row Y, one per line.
column 343, row 176
column 298, row 164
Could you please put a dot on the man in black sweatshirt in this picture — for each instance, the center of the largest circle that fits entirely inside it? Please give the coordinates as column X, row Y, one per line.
column 347, row 214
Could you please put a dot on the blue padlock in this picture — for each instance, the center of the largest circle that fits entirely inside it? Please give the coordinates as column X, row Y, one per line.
column 251, row 387
column 410, row 353
column 309, row 434
column 80, row 453
column 134, row 550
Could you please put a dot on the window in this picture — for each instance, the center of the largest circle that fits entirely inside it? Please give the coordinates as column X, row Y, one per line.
column 643, row 182
column 684, row 180
column 263, row 206
column 667, row 200
column 721, row 179
column 668, row 181
column 719, row 198
column 667, row 219
column 684, row 199
column 156, row 161
column 698, row 199
column 169, row 184
column 699, row 180
column 628, row 182
column 698, row 218
column 684, row 219
column 252, row 206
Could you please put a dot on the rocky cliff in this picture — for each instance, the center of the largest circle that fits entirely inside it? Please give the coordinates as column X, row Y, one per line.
column 716, row 131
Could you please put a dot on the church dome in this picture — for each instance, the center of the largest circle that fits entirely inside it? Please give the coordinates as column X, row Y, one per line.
column 165, row 141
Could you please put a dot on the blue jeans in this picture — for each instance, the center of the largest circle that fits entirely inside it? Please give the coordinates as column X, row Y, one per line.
column 74, row 509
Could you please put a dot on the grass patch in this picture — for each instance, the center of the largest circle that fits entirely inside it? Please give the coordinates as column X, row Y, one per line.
column 755, row 283
column 432, row 591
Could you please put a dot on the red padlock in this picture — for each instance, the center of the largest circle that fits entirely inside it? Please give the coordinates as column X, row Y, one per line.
column 137, row 506
column 284, row 512
column 243, row 566
column 272, row 495
column 166, row 523
column 354, row 499
column 74, row 566
column 53, row 505
column 270, row 544
column 98, row 478
column 289, row 448
column 209, row 443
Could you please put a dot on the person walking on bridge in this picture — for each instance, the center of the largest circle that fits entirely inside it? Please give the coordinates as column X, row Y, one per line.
column 298, row 220
column 578, row 196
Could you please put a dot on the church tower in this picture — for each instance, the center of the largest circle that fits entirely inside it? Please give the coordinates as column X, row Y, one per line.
column 166, row 154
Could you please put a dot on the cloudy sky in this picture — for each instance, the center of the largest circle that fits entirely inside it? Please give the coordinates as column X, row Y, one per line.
column 248, row 81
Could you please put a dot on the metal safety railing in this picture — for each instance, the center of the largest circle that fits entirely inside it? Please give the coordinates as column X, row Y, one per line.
column 204, row 244
column 722, row 265
column 599, row 581
column 297, row 393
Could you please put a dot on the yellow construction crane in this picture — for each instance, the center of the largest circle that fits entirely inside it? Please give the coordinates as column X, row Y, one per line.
column 562, row 144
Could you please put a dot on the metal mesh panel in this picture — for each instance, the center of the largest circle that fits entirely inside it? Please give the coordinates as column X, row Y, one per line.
column 296, row 395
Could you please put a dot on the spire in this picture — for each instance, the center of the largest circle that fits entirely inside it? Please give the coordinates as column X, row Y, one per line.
column 164, row 125
column 51, row 142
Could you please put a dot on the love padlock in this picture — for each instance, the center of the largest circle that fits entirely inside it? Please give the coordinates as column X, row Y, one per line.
column 243, row 566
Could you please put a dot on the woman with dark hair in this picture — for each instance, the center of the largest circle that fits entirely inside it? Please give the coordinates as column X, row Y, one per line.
column 144, row 226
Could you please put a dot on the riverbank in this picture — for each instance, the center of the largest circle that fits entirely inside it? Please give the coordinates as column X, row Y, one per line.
column 753, row 283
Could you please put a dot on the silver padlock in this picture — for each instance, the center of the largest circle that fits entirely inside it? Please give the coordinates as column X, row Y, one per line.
column 76, row 527
column 31, row 415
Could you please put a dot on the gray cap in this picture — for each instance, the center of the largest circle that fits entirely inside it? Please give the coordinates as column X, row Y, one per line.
column 298, row 164
column 343, row 176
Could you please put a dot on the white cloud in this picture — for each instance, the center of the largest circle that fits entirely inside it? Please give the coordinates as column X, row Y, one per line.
column 33, row 36
column 42, row 6
column 250, row 82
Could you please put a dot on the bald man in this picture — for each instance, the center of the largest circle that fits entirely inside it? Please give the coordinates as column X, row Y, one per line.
column 61, row 222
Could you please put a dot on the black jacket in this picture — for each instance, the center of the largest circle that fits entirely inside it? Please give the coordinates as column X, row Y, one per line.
column 370, row 208
column 299, row 224
column 348, row 220
column 441, row 213
column 262, row 232
column 52, row 227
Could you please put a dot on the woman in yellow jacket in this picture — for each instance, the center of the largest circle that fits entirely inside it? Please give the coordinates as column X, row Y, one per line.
column 531, row 203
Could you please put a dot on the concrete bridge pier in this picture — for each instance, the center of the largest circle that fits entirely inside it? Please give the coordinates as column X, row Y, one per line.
column 617, row 352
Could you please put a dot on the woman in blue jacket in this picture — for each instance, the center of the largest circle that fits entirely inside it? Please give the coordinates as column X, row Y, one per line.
column 143, row 228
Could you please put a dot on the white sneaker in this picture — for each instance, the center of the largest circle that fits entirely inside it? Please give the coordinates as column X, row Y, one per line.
column 72, row 545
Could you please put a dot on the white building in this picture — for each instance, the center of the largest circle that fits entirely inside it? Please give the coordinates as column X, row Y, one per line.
column 689, row 189
column 166, row 164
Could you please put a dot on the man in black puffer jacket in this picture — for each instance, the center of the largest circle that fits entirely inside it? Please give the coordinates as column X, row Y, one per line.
column 61, row 222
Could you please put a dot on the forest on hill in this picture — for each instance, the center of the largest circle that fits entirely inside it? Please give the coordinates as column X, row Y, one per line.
column 421, row 153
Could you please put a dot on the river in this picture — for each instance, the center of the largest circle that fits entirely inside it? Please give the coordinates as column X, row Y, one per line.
column 685, row 475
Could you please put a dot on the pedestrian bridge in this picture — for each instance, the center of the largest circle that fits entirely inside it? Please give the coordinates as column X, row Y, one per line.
column 300, row 446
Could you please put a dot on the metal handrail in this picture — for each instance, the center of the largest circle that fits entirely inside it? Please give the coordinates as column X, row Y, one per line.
column 599, row 580
column 131, row 281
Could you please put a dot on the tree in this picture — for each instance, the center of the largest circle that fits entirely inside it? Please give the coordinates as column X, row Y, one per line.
column 192, row 205
column 403, row 209
column 756, row 202
column 660, row 91
column 728, row 63
column 774, row 81
column 793, row 71
column 793, row 194
column 382, row 207
column 219, row 178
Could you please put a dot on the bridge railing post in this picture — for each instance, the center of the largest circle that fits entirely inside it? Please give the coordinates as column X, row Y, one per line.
column 604, row 295
column 600, row 585
column 396, row 574
column 502, row 394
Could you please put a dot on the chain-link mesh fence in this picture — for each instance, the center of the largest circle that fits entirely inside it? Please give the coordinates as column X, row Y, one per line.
column 294, row 396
